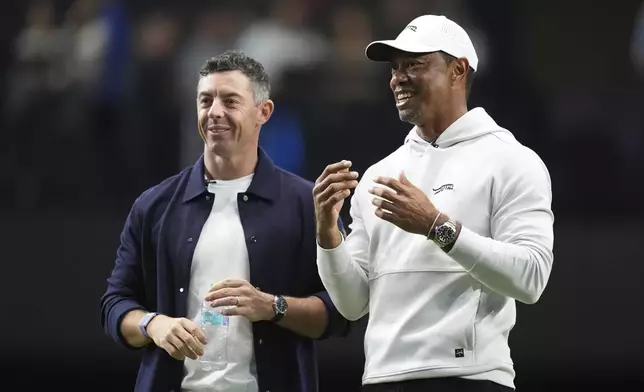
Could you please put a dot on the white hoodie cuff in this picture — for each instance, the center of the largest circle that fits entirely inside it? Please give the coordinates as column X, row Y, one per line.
column 333, row 261
column 467, row 248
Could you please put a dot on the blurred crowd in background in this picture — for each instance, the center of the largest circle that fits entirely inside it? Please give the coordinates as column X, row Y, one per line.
column 99, row 98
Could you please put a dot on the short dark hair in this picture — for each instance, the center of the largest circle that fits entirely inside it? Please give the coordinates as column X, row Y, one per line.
column 469, row 78
column 232, row 60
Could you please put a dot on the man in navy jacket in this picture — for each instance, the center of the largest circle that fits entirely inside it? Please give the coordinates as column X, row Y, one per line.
column 232, row 231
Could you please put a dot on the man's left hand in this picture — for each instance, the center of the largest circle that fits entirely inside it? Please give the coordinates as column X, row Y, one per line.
column 240, row 298
column 403, row 204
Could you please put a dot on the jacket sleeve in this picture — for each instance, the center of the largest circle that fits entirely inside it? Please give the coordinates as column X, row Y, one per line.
column 517, row 260
column 125, row 287
column 344, row 270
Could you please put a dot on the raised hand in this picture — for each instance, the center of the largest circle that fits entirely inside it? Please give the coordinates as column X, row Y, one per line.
column 331, row 188
column 402, row 203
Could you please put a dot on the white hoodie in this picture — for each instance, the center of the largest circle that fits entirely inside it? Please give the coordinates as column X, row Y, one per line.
column 433, row 314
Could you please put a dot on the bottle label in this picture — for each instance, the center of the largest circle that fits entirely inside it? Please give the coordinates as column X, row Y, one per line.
column 214, row 318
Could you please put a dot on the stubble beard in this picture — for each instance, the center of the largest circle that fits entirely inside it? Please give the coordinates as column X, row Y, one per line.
column 409, row 116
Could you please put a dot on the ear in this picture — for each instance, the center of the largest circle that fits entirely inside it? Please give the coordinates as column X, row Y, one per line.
column 265, row 111
column 460, row 68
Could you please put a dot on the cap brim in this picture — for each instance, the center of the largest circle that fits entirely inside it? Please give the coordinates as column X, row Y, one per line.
column 385, row 50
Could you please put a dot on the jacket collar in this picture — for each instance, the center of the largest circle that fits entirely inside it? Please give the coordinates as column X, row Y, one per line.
column 265, row 183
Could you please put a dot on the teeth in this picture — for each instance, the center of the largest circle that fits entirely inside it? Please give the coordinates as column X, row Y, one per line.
column 401, row 96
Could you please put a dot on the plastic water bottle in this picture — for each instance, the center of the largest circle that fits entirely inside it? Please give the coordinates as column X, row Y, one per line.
column 215, row 326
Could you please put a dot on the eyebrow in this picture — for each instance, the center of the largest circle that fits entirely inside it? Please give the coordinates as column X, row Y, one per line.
column 224, row 95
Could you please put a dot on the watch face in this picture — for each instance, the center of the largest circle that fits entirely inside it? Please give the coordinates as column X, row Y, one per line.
column 280, row 305
column 445, row 234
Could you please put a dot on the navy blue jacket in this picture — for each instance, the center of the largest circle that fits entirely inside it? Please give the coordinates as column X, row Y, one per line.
column 152, row 269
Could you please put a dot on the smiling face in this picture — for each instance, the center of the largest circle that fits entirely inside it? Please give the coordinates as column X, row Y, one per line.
column 428, row 88
column 229, row 117
column 421, row 85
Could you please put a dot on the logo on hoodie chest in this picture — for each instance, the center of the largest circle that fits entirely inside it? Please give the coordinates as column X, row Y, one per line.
column 446, row 187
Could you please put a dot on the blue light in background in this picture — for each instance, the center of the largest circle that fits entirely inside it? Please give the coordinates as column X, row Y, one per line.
column 281, row 138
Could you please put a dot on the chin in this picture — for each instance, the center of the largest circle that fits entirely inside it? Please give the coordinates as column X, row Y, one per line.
column 219, row 147
column 408, row 116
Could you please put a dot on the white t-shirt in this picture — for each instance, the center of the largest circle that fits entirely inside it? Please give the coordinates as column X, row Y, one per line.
column 221, row 254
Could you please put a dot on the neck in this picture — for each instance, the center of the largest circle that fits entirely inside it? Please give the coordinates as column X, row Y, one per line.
column 434, row 127
column 231, row 167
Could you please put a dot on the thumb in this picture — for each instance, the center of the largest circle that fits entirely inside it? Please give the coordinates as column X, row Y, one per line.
column 403, row 179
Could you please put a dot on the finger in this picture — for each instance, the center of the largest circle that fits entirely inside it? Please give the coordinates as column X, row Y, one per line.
column 236, row 311
column 187, row 352
column 334, row 199
column 336, row 192
column 228, row 301
column 403, row 179
column 184, row 341
column 384, row 204
column 339, row 196
column 333, row 168
column 223, row 293
column 227, row 283
column 385, row 215
column 176, row 347
column 193, row 347
column 391, row 183
column 173, row 351
column 194, row 330
column 385, row 193
column 340, row 178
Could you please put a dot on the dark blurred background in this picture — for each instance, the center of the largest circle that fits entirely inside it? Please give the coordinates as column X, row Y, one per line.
column 97, row 101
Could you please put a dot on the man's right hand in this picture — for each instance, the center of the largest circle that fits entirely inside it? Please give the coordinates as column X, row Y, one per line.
column 180, row 337
column 331, row 188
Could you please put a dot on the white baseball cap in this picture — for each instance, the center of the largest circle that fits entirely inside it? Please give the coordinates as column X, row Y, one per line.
column 426, row 34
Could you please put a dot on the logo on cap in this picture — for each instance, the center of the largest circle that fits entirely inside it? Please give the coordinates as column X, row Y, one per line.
column 411, row 27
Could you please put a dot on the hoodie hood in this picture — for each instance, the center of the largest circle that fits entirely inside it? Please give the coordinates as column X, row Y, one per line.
column 473, row 124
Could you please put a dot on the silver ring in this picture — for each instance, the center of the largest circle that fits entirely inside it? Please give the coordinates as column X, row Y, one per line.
column 237, row 298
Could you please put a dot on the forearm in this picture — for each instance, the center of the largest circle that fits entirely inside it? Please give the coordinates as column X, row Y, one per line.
column 344, row 280
column 130, row 329
column 520, row 271
column 305, row 316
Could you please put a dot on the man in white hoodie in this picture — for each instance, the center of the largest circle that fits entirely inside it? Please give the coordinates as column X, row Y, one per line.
column 447, row 232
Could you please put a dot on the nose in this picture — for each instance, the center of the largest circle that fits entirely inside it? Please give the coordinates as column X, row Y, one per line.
column 398, row 77
column 216, row 109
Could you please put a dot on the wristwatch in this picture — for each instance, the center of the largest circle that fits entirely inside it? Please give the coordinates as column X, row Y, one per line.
column 280, row 306
column 143, row 324
column 445, row 234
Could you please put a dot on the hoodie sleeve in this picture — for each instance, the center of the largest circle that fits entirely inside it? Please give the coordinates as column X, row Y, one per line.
column 517, row 260
column 344, row 269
